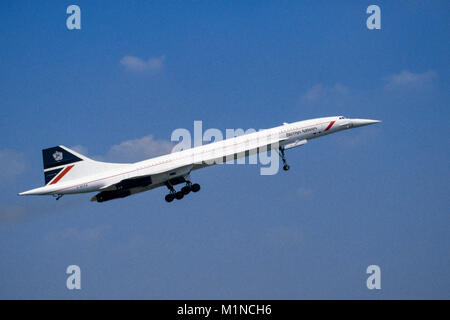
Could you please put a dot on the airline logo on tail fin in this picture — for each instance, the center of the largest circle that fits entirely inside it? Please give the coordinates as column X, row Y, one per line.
column 57, row 156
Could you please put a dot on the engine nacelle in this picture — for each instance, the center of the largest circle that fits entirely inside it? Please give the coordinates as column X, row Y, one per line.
column 294, row 144
column 109, row 195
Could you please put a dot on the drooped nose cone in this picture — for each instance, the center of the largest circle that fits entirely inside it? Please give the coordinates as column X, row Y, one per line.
column 363, row 122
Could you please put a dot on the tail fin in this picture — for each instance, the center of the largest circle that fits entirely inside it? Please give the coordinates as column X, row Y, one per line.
column 58, row 156
column 61, row 162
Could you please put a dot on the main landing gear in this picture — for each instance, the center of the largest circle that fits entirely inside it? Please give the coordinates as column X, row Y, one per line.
column 184, row 191
column 283, row 158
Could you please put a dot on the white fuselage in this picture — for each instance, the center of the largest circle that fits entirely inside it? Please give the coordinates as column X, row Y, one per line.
column 182, row 162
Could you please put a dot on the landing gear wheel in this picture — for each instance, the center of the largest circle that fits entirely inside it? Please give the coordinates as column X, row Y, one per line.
column 169, row 197
column 286, row 167
column 186, row 189
column 195, row 187
column 179, row 195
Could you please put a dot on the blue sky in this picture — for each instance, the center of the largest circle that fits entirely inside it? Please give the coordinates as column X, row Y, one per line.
column 137, row 70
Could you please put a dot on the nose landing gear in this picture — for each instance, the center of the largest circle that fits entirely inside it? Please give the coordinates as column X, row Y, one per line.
column 286, row 167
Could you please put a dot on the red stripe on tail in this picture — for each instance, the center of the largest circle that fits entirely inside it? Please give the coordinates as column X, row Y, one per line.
column 62, row 174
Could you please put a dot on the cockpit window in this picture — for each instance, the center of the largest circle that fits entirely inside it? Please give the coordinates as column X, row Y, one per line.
column 341, row 117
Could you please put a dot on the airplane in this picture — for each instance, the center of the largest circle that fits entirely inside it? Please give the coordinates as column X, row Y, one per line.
column 68, row 172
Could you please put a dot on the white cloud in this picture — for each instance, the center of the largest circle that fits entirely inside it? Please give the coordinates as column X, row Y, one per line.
column 131, row 150
column 319, row 92
column 138, row 149
column 14, row 162
column 80, row 149
column 406, row 79
column 139, row 65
